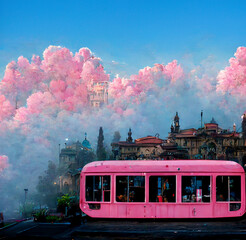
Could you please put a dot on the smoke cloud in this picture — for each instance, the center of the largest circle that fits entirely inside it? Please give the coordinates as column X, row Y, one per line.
column 45, row 100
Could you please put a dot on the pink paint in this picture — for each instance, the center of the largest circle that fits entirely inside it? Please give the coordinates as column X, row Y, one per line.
column 162, row 209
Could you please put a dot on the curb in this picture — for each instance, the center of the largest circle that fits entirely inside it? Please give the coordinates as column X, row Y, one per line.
column 54, row 223
column 14, row 223
column 8, row 226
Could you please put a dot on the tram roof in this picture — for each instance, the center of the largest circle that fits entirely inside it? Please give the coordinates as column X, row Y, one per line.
column 164, row 166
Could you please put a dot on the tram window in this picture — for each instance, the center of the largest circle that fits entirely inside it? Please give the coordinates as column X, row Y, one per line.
column 130, row 188
column 228, row 188
column 196, row 189
column 98, row 188
column 162, row 189
column 106, row 188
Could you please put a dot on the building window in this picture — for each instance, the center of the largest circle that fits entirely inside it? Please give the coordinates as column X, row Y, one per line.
column 228, row 188
column 98, row 188
column 130, row 188
column 162, row 189
column 195, row 188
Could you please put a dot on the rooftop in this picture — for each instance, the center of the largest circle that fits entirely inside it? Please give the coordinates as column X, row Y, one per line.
column 142, row 166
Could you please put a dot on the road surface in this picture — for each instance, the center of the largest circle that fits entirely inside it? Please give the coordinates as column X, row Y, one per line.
column 129, row 229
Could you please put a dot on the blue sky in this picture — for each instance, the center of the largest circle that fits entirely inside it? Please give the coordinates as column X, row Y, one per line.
column 133, row 33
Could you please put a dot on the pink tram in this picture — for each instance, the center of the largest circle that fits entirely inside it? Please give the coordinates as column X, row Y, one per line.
column 163, row 189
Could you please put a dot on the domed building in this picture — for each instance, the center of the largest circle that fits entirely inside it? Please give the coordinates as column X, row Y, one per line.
column 72, row 158
column 86, row 144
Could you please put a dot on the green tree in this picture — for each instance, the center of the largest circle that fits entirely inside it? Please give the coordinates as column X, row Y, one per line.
column 85, row 156
column 101, row 152
column 47, row 187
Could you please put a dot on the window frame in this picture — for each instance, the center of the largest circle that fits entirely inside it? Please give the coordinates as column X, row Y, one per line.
column 196, row 174
column 99, row 175
column 228, row 201
column 163, row 175
column 130, row 175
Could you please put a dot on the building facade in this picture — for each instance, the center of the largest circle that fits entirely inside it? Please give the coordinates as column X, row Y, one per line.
column 208, row 142
column 211, row 141
column 72, row 158
column 150, row 147
column 98, row 94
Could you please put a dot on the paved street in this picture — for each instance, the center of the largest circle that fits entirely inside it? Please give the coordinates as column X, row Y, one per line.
column 169, row 229
column 115, row 229
column 33, row 230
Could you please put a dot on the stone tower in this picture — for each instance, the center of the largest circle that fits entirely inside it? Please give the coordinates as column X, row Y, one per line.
column 172, row 128
column 244, row 125
column 176, row 123
column 129, row 139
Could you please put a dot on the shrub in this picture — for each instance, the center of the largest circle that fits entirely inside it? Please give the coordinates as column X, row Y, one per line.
column 63, row 202
column 52, row 218
column 40, row 216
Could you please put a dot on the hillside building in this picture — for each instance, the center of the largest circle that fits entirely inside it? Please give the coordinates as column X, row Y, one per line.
column 72, row 158
column 208, row 142
column 98, row 94
column 211, row 141
column 150, row 147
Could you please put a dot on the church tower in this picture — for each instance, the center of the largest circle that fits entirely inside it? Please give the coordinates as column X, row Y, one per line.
column 176, row 123
column 244, row 125
column 129, row 139
column 172, row 128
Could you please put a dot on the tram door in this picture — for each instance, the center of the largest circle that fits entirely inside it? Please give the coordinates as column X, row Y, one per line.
column 196, row 192
column 130, row 190
column 228, row 196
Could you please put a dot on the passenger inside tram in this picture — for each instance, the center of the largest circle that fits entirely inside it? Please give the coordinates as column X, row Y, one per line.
column 220, row 197
column 121, row 198
column 162, row 188
column 193, row 198
column 130, row 188
column 165, row 198
column 228, row 188
column 195, row 189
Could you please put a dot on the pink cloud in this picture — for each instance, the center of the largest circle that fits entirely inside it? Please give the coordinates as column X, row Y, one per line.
column 6, row 109
column 3, row 162
column 148, row 80
column 232, row 79
column 60, row 81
